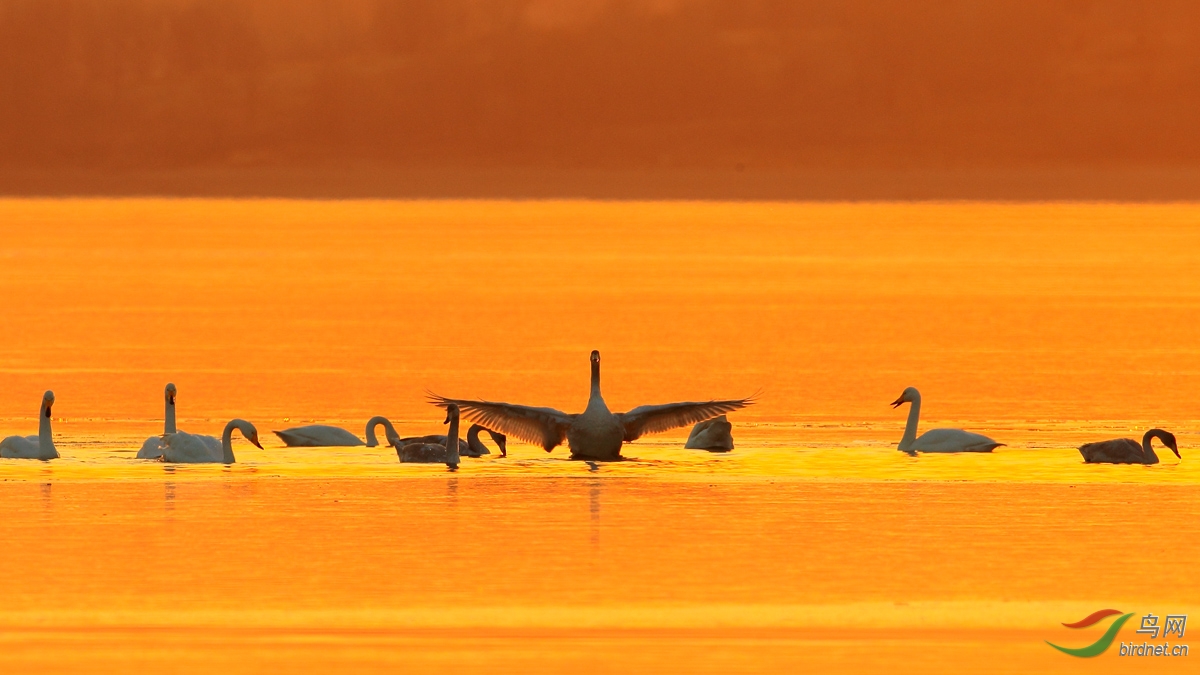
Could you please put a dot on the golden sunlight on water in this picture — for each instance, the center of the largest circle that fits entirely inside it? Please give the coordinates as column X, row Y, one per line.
column 815, row 544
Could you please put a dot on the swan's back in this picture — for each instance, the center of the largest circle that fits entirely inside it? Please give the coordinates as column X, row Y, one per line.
column 422, row 453
column 318, row 436
column 1115, row 451
column 152, row 448
column 182, row 447
column 953, row 440
column 22, row 447
column 464, row 448
column 714, row 435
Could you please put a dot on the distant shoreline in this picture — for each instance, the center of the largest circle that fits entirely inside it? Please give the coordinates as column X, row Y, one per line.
column 1150, row 184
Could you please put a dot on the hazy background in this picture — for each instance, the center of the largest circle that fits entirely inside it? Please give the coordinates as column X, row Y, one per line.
column 605, row 98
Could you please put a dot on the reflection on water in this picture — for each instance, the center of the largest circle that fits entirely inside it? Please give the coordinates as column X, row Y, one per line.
column 594, row 510
column 815, row 546
column 789, row 574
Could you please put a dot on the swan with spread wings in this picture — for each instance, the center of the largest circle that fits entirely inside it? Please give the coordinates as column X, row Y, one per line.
column 596, row 433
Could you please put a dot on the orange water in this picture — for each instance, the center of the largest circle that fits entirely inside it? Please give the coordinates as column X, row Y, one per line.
column 814, row 544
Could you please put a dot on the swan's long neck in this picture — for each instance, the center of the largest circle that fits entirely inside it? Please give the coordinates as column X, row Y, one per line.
column 910, row 429
column 596, row 400
column 595, row 379
column 375, row 421
column 452, row 442
column 169, row 417
column 227, row 443
column 473, row 442
column 1147, row 446
column 45, row 436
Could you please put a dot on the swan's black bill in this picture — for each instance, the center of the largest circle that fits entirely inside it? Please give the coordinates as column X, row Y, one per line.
column 898, row 402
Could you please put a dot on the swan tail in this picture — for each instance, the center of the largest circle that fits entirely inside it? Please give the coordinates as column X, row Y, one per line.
column 287, row 438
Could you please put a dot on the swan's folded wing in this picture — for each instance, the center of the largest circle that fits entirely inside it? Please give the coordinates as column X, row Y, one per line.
column 651, row 419
column 546, row 427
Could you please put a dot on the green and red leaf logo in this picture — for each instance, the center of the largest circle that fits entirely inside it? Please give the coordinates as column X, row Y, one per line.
column 1096, row 648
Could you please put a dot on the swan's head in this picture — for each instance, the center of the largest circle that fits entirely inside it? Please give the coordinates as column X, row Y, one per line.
column 595, row 356
column 451, row 412
column 47, row 402
column 249, row 431
column 911, row 394
column 1168, row 440
column 170, row 393
column 501, row 441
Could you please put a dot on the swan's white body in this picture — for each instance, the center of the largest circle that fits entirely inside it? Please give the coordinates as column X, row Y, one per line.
column 325, row 436
column 184, row 448
column 596, row 433
column 318, row 436
column 937, row 440
column 153, row 447
column 715, row 435
column 33, row 447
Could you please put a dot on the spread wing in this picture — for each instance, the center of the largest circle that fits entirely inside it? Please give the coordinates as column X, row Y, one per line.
column 546, row 427
column 651, row 419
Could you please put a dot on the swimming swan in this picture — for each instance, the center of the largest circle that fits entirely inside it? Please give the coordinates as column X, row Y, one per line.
column 153, row 447
column 937, row 440
column 472, row 447
column 435, row 453
column 323, row 435
column 1127, row 450
column 185, row 448
column 595, row 433
column 33, row 447
column 715, row 435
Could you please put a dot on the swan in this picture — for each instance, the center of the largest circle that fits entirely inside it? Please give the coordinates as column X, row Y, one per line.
column 595, row 433
column 33, row 447
column 473, row 447
column 153, row 447
column 714, row 435
column 323, row 435
column 1127, row 450
column 937, row 440
column 435, row 453
column 317, row 436
column 184, row 448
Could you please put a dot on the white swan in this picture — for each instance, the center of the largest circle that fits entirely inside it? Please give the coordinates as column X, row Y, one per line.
column 435, row 453
column 153, row 447
column 317, row 436
column 1127, row 450
column 595, row 433
column 715, row 435
column 33, row 447
column 472, row 447
column 185, row 448
column 937, row 440
column 324, row 435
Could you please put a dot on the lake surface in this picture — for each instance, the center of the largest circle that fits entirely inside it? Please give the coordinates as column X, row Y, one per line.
column 815, row 545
